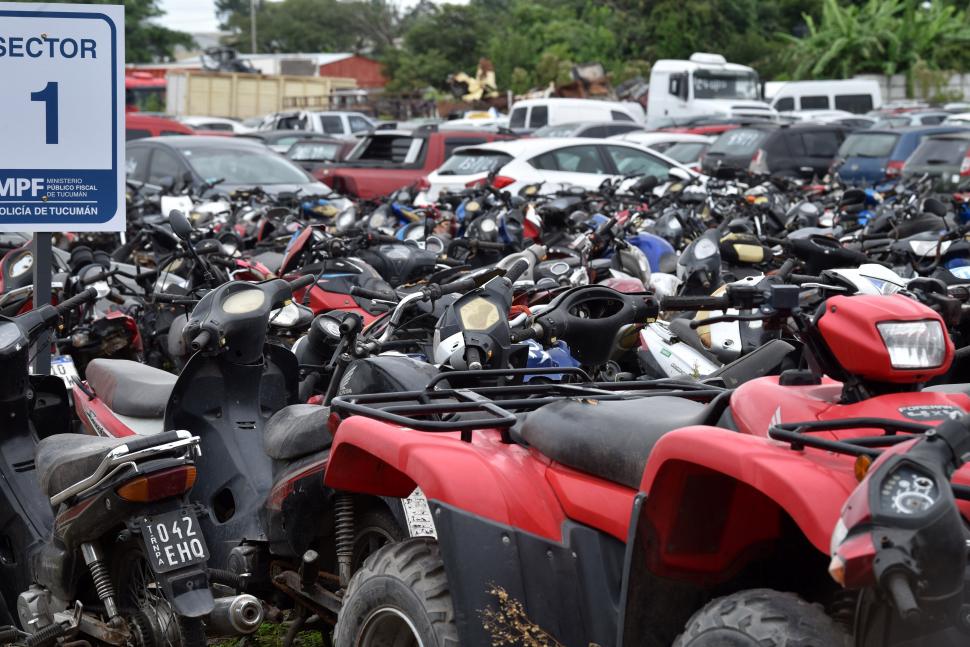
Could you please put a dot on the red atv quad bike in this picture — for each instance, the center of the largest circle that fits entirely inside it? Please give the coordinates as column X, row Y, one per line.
column 650, row 514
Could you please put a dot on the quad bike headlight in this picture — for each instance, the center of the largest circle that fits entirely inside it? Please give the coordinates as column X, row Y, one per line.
column 908, row 491
column 914, row 344
column 478, row 314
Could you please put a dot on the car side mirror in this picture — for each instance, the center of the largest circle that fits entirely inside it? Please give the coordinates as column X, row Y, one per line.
column 677, row 173
column 180, row 224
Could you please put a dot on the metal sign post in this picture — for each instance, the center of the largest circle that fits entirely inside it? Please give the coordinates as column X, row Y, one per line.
column 62, row 154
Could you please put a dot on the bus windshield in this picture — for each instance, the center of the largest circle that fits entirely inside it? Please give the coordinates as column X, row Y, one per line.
column 724, row 85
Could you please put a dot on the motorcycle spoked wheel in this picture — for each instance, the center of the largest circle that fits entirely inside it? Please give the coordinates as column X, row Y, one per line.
column 153, row 621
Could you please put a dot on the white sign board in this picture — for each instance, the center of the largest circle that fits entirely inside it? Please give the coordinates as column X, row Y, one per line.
column 62, row 109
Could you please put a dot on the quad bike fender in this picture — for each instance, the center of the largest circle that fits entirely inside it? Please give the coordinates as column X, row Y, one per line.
column 714, row 496
column 487, row 478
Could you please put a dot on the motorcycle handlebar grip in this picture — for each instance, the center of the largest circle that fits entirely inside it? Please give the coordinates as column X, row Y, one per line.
column 786, row 269
column 201, row 340
column 358, row 291
column 138, row 443
column 695, row 303
column 902, row 596
column 522, row 334
column 798, row 279
column 302, row 282
column 100, row 276
column 78, row 299
column 383, row 238
column 518, row 269
column 461, row 285
column 606, row 226
column 486, row 244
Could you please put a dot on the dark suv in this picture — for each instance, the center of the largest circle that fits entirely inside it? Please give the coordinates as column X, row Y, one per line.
column 799, row 150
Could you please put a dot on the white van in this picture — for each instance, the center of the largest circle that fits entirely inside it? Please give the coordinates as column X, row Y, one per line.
column 852, row 95
column 706, row 84
column 531, row 114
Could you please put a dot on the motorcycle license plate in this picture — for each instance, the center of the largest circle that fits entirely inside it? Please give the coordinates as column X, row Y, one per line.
column 173, row 540
column 62, row 366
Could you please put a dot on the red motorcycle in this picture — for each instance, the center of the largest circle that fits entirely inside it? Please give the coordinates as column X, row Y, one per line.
column 657, row 513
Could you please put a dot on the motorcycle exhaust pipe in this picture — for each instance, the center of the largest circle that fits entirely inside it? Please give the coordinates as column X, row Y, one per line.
column 235, row 616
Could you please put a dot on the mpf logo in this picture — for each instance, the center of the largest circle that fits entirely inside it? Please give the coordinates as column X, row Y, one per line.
column 15, row 187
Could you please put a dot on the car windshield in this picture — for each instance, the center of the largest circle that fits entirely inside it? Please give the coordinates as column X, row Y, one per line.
column 313, row 152
column 720, row 85
column 740, row 141
column 474, row 162
column 938, row 152
column 686, row 152
column 235, row 166
column 868, row 145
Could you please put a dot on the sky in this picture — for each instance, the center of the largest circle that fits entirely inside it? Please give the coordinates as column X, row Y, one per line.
column 196, row 16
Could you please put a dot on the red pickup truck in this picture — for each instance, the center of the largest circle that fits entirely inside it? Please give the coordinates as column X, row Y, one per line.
column 387, row 160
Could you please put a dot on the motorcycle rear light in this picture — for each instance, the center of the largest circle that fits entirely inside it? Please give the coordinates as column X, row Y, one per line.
column 423, row 184
column 159, row 485
column 502, row 181
column 894, row 168
column 914, row 344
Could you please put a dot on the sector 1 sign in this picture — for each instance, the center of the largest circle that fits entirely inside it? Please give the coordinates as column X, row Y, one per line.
column 62, row 117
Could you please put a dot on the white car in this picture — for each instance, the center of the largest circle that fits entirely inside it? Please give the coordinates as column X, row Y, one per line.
column 216, row 123
column 554, row 162
column 685, row 148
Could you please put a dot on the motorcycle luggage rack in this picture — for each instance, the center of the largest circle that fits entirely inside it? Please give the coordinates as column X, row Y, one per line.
column 436, row 409
column 796, row 434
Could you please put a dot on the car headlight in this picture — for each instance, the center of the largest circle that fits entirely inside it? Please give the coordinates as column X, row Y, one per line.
column 908, row 491
column 478, row 314
column 243, row 302
column 914, row 344
column 704, row 248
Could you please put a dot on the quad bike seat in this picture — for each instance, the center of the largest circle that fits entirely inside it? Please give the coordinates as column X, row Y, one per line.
column 297, row 430
column 64, row 459
column 611, row 439
column 130, row 388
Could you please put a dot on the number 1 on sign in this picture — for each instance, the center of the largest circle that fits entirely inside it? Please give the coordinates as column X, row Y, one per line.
column 49, row 96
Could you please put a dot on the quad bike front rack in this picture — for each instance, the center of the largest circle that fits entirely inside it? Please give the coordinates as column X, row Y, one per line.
column 442, row 407
column 797, row 435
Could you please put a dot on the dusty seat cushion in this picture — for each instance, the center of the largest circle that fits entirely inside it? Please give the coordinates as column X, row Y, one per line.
column 297, row 430
column 609, row 439
column 130, row 388
column 64, row 459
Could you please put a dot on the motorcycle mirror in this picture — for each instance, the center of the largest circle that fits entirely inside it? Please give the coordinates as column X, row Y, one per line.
column 180, row 224
column 935, row 207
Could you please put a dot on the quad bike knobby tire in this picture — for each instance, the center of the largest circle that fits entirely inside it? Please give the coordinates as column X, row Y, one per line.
column 761, row 618
column 399, row 597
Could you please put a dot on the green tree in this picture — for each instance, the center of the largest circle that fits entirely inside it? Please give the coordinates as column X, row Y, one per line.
column 882, row 37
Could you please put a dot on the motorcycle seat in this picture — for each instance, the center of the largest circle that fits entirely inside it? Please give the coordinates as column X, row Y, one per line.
column 611, row 439
column 272, row 260
column 130, row 388
column 297, row 430
column 64, row 459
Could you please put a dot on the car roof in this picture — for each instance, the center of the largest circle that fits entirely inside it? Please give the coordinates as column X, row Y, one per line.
column 539, row 145
column 201, row 141
column 135, row 119
column 958, row 134
column 639, row 137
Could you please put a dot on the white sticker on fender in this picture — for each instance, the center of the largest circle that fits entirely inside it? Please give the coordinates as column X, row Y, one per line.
column 418, row 515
